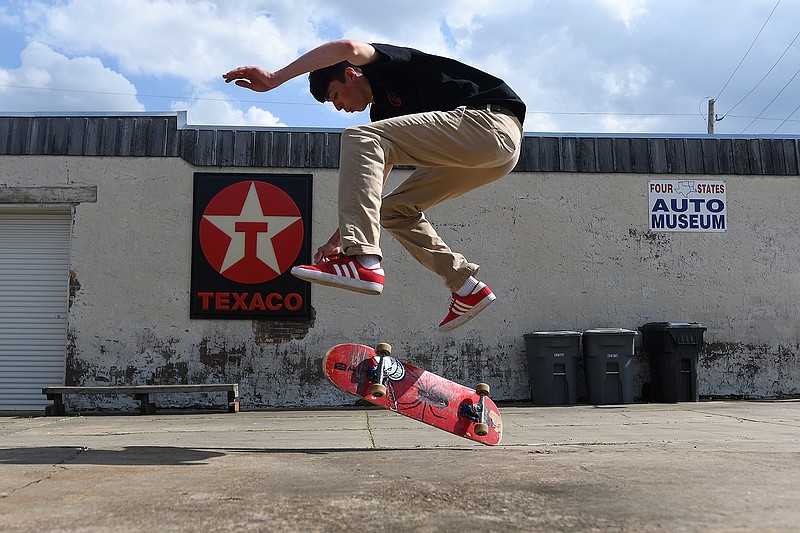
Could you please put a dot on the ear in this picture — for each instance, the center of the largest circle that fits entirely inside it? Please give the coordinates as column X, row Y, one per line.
column 351, row 74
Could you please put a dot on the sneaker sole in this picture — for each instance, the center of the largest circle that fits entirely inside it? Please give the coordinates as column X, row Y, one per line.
column 469, row 315
column 332, row 280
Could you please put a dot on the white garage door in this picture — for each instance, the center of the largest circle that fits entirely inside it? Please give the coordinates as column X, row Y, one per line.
column 34, row 294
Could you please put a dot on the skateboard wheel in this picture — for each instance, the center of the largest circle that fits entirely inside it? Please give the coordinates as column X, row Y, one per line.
column 384, row 347
column 481, row 430
column 482, row 389
column 377, row 390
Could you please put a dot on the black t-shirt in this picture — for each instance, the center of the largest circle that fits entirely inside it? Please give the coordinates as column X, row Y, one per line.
column 406, row 81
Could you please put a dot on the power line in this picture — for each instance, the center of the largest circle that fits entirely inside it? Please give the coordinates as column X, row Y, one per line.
column 769, row 119
column 771, row 101
column 787, row 119
column 537, row 112
column 195, row 98
column 262, row 102
column 610, row 113
column 748, row 50
column 762, row 79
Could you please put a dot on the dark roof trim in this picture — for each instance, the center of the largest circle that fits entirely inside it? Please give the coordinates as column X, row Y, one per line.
column 661, row 155
column 166, row 136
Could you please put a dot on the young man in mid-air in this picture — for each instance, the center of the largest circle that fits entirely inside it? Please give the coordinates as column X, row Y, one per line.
column 460, row 127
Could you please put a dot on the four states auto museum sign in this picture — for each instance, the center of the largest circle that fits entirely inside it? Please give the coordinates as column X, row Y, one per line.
column 687, row 205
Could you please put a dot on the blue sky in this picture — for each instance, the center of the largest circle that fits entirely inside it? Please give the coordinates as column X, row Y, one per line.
column 617, row 66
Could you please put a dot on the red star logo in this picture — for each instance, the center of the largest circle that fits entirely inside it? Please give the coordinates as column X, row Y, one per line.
column 251, row 232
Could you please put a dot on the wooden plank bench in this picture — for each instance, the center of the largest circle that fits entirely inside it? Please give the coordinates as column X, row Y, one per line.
column 141, row 393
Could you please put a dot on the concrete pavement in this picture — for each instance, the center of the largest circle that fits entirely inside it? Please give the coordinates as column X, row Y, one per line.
column 709, row 466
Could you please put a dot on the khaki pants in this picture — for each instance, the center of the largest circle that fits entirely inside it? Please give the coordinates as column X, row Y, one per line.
column 454, row 152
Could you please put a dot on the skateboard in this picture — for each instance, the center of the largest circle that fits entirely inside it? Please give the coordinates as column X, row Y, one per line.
column 379, row 378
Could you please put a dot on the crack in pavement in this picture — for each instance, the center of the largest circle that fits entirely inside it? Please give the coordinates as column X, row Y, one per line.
column 56, row 467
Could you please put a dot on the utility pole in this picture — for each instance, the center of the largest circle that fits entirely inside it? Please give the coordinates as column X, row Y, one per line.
column 711, row 118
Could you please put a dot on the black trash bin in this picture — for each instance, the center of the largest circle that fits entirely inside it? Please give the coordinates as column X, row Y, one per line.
column 608, row 363
column 673, row 349
column 553, row 366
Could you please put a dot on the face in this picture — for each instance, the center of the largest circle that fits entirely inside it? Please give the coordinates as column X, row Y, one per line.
column 351, row 96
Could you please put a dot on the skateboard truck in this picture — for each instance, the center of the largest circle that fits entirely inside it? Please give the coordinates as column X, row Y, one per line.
column 477, row 411
column 378, row 389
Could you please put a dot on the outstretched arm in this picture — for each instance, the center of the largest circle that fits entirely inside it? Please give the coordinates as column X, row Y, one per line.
column 257, row 79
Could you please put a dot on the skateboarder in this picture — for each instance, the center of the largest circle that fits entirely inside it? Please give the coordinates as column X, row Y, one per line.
column 460, row 127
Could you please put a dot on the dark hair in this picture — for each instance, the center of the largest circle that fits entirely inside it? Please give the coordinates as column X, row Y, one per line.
column 320, row 79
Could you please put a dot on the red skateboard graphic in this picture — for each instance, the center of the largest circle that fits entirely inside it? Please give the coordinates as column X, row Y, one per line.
column 379, row 378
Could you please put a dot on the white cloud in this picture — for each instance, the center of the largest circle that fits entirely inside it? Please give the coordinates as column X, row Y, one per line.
column 7, row 18
column 210, row 108
column 196, row 41
column 49, row 81
column 628, row 82
column 626, row 11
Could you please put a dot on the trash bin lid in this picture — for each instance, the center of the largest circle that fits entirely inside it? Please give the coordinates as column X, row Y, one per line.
column 554, row 334
column 669, row 325
column 610, row 331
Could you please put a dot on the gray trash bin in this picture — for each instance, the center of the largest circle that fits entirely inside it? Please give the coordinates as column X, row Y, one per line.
column 553, row 366
column 673, row 350
column 608, row 363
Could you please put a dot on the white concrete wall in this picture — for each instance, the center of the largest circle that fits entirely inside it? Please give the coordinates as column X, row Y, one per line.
column 561, row 251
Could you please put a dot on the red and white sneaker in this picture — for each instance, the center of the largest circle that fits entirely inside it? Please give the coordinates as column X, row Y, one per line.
column 344, row 272
column 465, row 308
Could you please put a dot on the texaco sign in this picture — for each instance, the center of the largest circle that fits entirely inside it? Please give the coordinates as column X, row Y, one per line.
column 248, row 232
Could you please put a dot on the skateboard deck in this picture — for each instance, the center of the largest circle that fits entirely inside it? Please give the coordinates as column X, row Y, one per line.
column 414, row 392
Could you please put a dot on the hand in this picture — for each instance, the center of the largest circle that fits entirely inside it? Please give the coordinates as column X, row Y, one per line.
column 253, row 78
column 330, row 249
column 326, row 252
